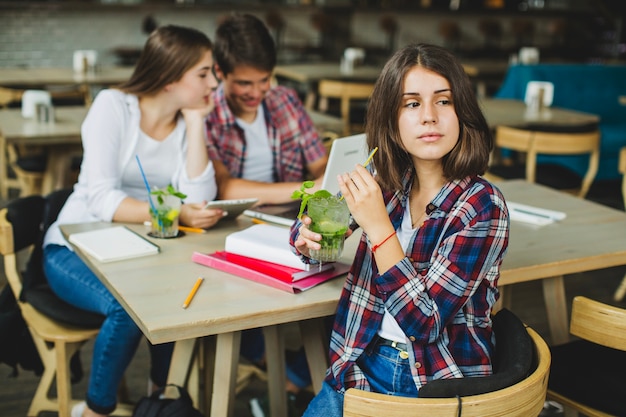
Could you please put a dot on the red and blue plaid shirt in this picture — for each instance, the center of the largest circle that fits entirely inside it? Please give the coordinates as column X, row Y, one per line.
column 441, row 293
column 294, row 141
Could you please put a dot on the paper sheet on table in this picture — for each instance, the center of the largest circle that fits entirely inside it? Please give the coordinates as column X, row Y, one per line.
column 533, row 215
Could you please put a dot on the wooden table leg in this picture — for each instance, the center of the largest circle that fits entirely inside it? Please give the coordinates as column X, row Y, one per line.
column 315, row 343
column 225, row 375
column 276, row 377
column 556, row 309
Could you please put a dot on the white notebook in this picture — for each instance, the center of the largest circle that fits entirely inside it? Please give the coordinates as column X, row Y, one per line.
column 113, row 244
column 266, row 242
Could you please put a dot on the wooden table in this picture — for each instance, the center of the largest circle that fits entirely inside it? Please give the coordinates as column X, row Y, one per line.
column 52, row 78
column 516, row 114
column 37, row 77
column 311, row 73
column 61, row 138
column 152, row 290
column 591, row 237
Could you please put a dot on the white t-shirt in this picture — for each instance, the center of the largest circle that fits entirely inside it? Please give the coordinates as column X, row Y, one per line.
column 389, row 327
column 258, row 164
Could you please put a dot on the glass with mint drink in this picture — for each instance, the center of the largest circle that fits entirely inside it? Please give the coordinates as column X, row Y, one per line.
column 164, row 213
column 330, row 218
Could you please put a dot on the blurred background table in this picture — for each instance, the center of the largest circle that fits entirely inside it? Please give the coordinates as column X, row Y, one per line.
column 61, row 139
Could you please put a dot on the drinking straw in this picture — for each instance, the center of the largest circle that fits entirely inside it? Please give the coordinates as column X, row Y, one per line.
column 145, row 181
column 369, row 158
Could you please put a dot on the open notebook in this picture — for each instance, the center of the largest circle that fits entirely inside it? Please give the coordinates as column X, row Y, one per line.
column 113, row 244
column 345, row 153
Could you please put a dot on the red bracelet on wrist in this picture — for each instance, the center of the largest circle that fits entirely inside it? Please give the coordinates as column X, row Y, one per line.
column 383, row 242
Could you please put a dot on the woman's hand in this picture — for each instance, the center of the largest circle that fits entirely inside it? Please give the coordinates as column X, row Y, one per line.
column 195, row 215
column 307, row 239
column 364, row 198
column 199, row 113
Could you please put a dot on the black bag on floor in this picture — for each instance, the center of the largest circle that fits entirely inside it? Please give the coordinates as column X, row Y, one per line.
column 155, row 406
column 17, row 347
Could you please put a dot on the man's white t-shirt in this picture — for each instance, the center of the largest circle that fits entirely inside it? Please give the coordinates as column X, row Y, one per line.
column 258, row 164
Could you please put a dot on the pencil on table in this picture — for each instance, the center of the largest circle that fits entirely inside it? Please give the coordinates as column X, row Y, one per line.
column 191, row 229
column 193, row 292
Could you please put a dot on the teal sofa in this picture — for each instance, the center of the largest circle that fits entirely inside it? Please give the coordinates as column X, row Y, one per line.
column 592, row 88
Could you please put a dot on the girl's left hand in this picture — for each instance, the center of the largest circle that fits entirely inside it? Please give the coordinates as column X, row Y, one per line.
column 364, row 197
column 195, row 215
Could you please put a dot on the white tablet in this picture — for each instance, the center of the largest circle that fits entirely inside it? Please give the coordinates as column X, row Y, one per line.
column 233, row 207
column 345, row 153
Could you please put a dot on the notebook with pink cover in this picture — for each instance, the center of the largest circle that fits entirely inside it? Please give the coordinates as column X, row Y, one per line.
column 261, row 274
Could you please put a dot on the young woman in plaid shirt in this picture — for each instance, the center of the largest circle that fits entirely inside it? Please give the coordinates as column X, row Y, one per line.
column 416, row 305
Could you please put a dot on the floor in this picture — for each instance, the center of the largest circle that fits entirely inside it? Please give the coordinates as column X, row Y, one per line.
column 527, row 303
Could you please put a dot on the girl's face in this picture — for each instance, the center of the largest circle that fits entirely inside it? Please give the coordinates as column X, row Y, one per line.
column 195, row 86
column 428, row 124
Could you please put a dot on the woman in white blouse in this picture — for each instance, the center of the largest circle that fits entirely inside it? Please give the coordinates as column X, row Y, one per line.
column 158, row 115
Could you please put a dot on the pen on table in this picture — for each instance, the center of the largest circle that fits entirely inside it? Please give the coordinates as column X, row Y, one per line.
column 193, row 292
column 183, row 228
column 257, row 221
column 532, row 213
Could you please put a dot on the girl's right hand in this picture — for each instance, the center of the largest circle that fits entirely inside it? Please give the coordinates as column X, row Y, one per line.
column 195, row 215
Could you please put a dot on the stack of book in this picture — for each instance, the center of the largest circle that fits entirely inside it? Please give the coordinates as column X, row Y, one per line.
column 261, row 253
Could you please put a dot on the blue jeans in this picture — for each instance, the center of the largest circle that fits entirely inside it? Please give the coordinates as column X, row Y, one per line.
column 386, row 372
column 119, row 336
column 253, row 349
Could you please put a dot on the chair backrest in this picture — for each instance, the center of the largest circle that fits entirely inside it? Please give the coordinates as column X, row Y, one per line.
column 599, row 323
column 10, row 95
column 536, row 143
column 524, row 399
column 346, row 92
column 23, row 223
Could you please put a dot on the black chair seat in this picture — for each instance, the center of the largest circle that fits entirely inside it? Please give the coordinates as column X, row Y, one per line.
column 43, row 299
column 602, row 384
column 35, row 163
column 513, row 361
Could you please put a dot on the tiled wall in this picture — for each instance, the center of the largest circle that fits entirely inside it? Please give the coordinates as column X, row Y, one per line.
column 47, row 36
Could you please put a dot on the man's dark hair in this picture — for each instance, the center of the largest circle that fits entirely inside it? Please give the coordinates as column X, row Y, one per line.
column 243, row 39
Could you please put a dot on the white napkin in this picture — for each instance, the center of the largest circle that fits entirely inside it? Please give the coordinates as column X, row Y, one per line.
column 533, row 215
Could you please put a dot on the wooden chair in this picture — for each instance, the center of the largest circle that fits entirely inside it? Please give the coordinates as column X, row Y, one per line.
column 523, row 399
column 56, row 341
column 587, row 375
column 347, row 93
column 534, row 143
column 621, row 289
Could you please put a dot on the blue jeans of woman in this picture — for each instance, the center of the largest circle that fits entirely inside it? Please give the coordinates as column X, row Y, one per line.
column 119, row 336
column 386, row 372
